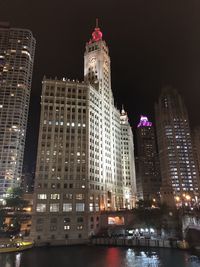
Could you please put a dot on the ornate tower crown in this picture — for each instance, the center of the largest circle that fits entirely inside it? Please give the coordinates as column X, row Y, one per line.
column 144, row 122
column 97, row 34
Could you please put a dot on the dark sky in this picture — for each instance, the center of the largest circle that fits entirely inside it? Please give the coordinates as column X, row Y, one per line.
column 152, row 43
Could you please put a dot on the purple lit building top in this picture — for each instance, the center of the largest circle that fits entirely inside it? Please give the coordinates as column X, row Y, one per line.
column 144, row 122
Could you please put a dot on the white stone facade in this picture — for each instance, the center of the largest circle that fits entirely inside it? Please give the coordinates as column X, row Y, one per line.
column 80, row 163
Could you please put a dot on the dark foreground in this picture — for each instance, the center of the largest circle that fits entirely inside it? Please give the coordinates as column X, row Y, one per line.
column 91, row 256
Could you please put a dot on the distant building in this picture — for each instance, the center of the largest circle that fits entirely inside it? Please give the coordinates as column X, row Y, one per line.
column 17, row 48
column 177, row 162
column 85, row 161
column 128, row 163
column 148, row 172
column 196, row 144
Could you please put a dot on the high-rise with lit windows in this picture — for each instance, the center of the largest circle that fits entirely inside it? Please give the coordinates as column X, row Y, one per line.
column 80, row 169
column 178, row 168
column 17, row 48
column 148, row 167
column 196, row 144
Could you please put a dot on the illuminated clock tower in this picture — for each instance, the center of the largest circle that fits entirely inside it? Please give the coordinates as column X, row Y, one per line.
column 97, row 64
column 97, row 73
column 86, row 165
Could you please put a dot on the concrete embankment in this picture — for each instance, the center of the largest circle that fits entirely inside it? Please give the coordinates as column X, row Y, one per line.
column 134, row 242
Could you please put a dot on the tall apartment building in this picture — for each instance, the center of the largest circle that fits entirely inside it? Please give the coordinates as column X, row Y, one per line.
column 148, row 168
column 196, row 144
column 17, row 48
column 177, row 162
column 80, row 168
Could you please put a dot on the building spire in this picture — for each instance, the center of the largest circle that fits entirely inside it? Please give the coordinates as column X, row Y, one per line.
column 97, row 34
column 97, row 23
column 123, row 116
column 123, row 111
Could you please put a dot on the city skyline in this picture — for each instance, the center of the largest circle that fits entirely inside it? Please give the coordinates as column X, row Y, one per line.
column 99, row 133
column 147, row 44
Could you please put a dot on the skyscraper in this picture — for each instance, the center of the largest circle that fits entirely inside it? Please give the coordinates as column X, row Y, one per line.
column 79, row 168
column 178, row 168
column 148, row 171
column 17, row 48
column 196, row 144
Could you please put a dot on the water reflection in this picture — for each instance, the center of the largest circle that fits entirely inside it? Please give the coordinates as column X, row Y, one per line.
column 119, row 257
column 18, row 260
column 79, row 256
column 141, row 258
column 10, row 260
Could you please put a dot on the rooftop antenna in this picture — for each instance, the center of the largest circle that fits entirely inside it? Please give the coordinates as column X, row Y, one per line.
column 97, row 23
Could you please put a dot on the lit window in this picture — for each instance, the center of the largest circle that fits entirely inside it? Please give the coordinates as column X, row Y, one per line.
column 80, row 207
column 41, row 207
column 42, row 196
column 66, row 227
column 67, row 207
column 91, row 207
column 96, row 206
column 79, row 196
column 54, row 207
column 55, row 196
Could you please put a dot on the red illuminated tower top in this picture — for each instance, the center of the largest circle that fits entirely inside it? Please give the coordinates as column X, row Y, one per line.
column 97, row 34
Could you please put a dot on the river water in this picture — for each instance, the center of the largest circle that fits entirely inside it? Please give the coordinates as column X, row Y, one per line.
column 91, row 256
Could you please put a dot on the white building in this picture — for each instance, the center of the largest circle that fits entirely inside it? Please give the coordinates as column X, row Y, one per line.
column 81, row 168
column 17, row 47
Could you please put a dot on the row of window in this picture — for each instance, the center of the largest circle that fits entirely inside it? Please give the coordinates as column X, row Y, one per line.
column 57, row 196
column 66, row 207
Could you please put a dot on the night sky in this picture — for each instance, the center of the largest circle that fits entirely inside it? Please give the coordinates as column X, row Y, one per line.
column 152, row 43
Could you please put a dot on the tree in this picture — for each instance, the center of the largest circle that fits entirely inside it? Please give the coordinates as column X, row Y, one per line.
column 15, row 200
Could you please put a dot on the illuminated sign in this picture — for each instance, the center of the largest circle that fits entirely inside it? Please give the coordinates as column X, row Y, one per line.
column 116, row 220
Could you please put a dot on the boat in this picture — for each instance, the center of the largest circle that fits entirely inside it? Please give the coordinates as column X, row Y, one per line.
column 15, row 246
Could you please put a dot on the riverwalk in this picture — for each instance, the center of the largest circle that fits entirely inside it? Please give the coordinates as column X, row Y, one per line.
column 135, row 242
